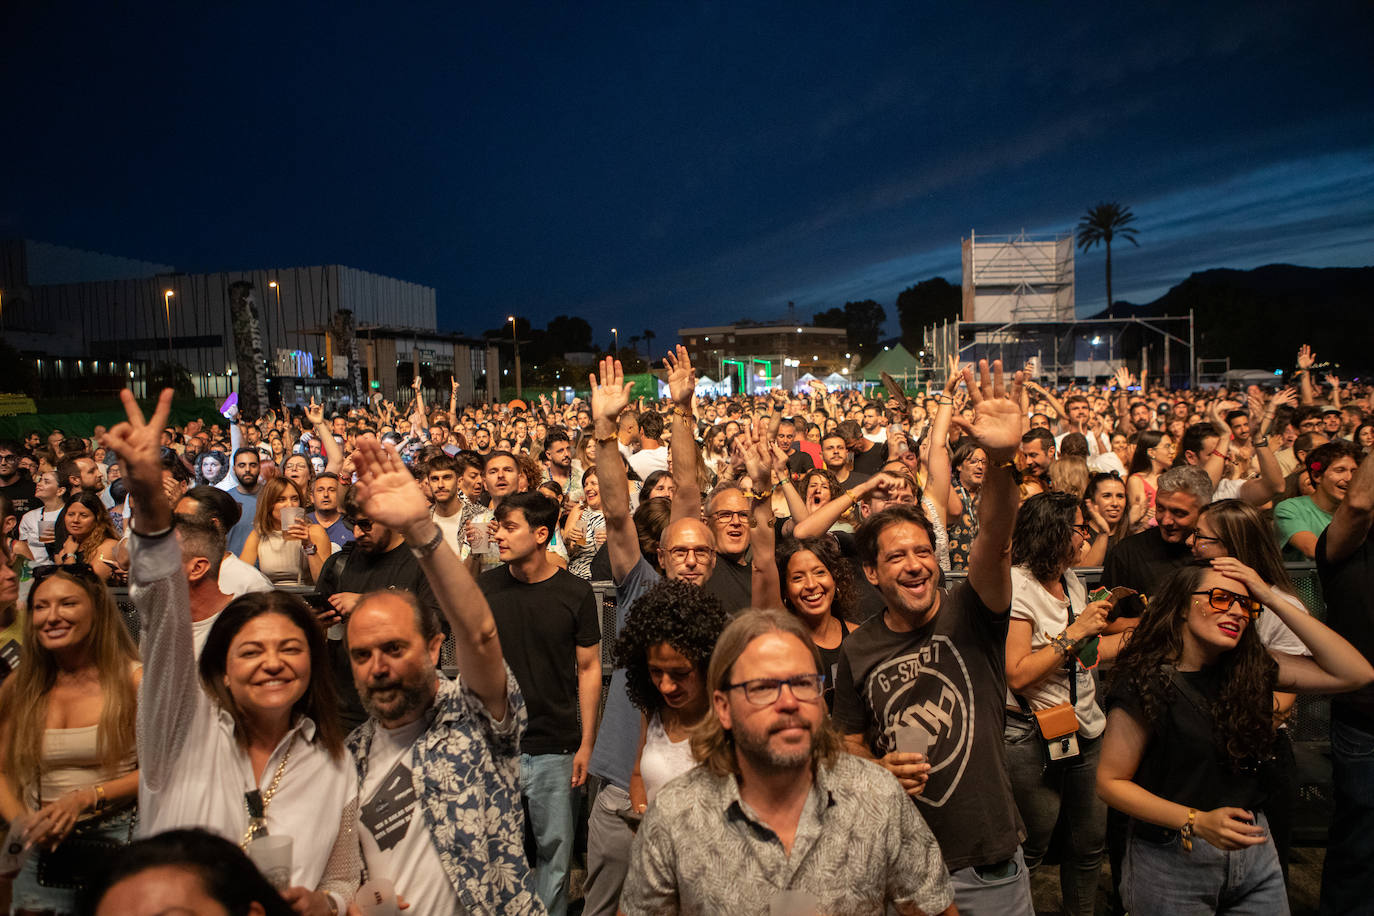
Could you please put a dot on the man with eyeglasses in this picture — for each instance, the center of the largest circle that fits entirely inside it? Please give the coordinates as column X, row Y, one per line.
column 686, row 553
column 14, row 483
column 777, row 818
column 376, row 560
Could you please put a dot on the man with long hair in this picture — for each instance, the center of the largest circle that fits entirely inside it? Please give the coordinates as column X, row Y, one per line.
column 833, row 830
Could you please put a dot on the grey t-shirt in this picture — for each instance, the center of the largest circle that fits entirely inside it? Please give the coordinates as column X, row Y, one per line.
column 617, row 740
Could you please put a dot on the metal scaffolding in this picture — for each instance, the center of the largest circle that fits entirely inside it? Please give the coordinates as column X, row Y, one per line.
column 1068, row 351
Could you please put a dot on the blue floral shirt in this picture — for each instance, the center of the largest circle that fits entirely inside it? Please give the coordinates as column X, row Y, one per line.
column 466, row 769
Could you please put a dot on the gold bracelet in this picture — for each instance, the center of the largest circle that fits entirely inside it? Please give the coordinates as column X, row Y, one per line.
column 1185, row 832
column 99, row 791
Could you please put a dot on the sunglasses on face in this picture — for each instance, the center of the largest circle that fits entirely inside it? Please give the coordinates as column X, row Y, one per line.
column 1221, row 600
column 364, row 523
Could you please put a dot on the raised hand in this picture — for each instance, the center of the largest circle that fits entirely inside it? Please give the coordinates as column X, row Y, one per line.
column 386, row 490
column 682, row 378
column 453, row 383
column 612, row 394
column 996, row 422
column 1124, row 379
column 1284, row 396
column 1333, row 381
column 1305, row 357
column 138, row 443
column 314, row 412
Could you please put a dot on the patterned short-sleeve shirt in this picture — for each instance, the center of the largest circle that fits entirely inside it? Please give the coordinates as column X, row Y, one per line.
column 861, row 849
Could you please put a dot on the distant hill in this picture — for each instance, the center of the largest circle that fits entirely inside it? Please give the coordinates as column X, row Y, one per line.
column 1259, row 317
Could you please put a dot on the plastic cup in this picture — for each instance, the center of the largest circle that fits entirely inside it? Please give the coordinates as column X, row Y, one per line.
column 47, row 531
column 290, row 515
column 272, row 856
column 377, row 898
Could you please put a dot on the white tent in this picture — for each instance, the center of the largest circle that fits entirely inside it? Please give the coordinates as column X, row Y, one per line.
column 835, row 380
column 709, row 388
column 803, row 383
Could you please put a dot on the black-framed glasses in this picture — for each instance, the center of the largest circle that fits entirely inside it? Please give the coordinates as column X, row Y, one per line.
column 728, row 516
column 765, row 691
column 1221, row 600
column 1199, row 536
column 9, row 457
column 364, row 523
column 700, row 554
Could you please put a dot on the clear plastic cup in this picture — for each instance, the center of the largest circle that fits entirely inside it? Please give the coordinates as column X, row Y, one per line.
column 377, row 898
column 272, row 855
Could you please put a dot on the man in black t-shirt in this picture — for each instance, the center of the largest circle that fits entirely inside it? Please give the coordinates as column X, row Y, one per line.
column 1345, row 562
column 14, row 483
column 550, row 636
column 1143, row 561
column 930, row 671
column 377, row 560
column 868, row 456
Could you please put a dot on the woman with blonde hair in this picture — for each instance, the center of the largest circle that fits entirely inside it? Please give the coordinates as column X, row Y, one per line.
column 70, row 764
column 292, row 554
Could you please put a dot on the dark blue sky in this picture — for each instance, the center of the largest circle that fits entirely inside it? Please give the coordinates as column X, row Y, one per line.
column 668, row 164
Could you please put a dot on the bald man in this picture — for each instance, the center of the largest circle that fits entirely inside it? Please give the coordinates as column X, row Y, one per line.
column 686, row 552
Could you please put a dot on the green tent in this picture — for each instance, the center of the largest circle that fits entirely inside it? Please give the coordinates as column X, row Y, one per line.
column 896, row 362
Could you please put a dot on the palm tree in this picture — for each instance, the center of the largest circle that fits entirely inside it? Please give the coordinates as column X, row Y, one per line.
column 1102, row 224
column 649, row 344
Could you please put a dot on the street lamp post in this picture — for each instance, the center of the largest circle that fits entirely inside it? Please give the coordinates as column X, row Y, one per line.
column 515, row 338
column 616, row 332
column 167, row 295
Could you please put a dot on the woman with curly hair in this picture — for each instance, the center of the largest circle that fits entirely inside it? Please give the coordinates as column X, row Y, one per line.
column 818, row 590
column 665, row 649
column 1190, row 720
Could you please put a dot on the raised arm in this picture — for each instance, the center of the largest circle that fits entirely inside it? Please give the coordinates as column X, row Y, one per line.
column 453, row 406
column 761, row 463
column 1123, row 399
column 388, row 493
column 160, row 591
column 827, row 514
column 1351, row 522
column 1305, row 363
column 996, row 427
column 1335, row 666
column 1259, row 490
column 938, row 482
column 609, row 398
column 682, row 385
column 334, row 456
column 1335, row 384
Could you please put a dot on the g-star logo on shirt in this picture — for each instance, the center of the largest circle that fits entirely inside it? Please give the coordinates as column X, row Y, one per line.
column 930, row 688
column 387, row 813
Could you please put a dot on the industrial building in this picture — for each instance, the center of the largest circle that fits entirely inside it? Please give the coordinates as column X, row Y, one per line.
column 92, row 321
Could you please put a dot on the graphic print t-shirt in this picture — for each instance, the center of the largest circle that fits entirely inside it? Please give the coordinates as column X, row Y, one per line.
column 395, row 841
column 949, row 678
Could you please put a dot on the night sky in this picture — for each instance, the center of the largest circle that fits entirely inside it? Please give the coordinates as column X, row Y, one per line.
column 671, row 164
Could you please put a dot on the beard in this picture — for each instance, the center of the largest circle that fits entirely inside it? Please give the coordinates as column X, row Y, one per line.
column 406, row 696
column 757, row 748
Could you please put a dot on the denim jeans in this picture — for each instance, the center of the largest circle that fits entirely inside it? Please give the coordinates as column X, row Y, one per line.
column 546, row 780
column 1350, row 844
column 1162, row 878
column 28, row 894
column 976, row 895
column 1047, row 792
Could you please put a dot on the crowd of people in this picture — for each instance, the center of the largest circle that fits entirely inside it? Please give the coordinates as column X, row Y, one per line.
column 863, row 658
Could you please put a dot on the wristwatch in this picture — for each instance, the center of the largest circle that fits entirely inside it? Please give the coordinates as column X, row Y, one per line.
column 1260, row 442
column 309, row 549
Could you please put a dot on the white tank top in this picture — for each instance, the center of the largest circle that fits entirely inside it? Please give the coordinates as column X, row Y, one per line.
column 662, row 760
